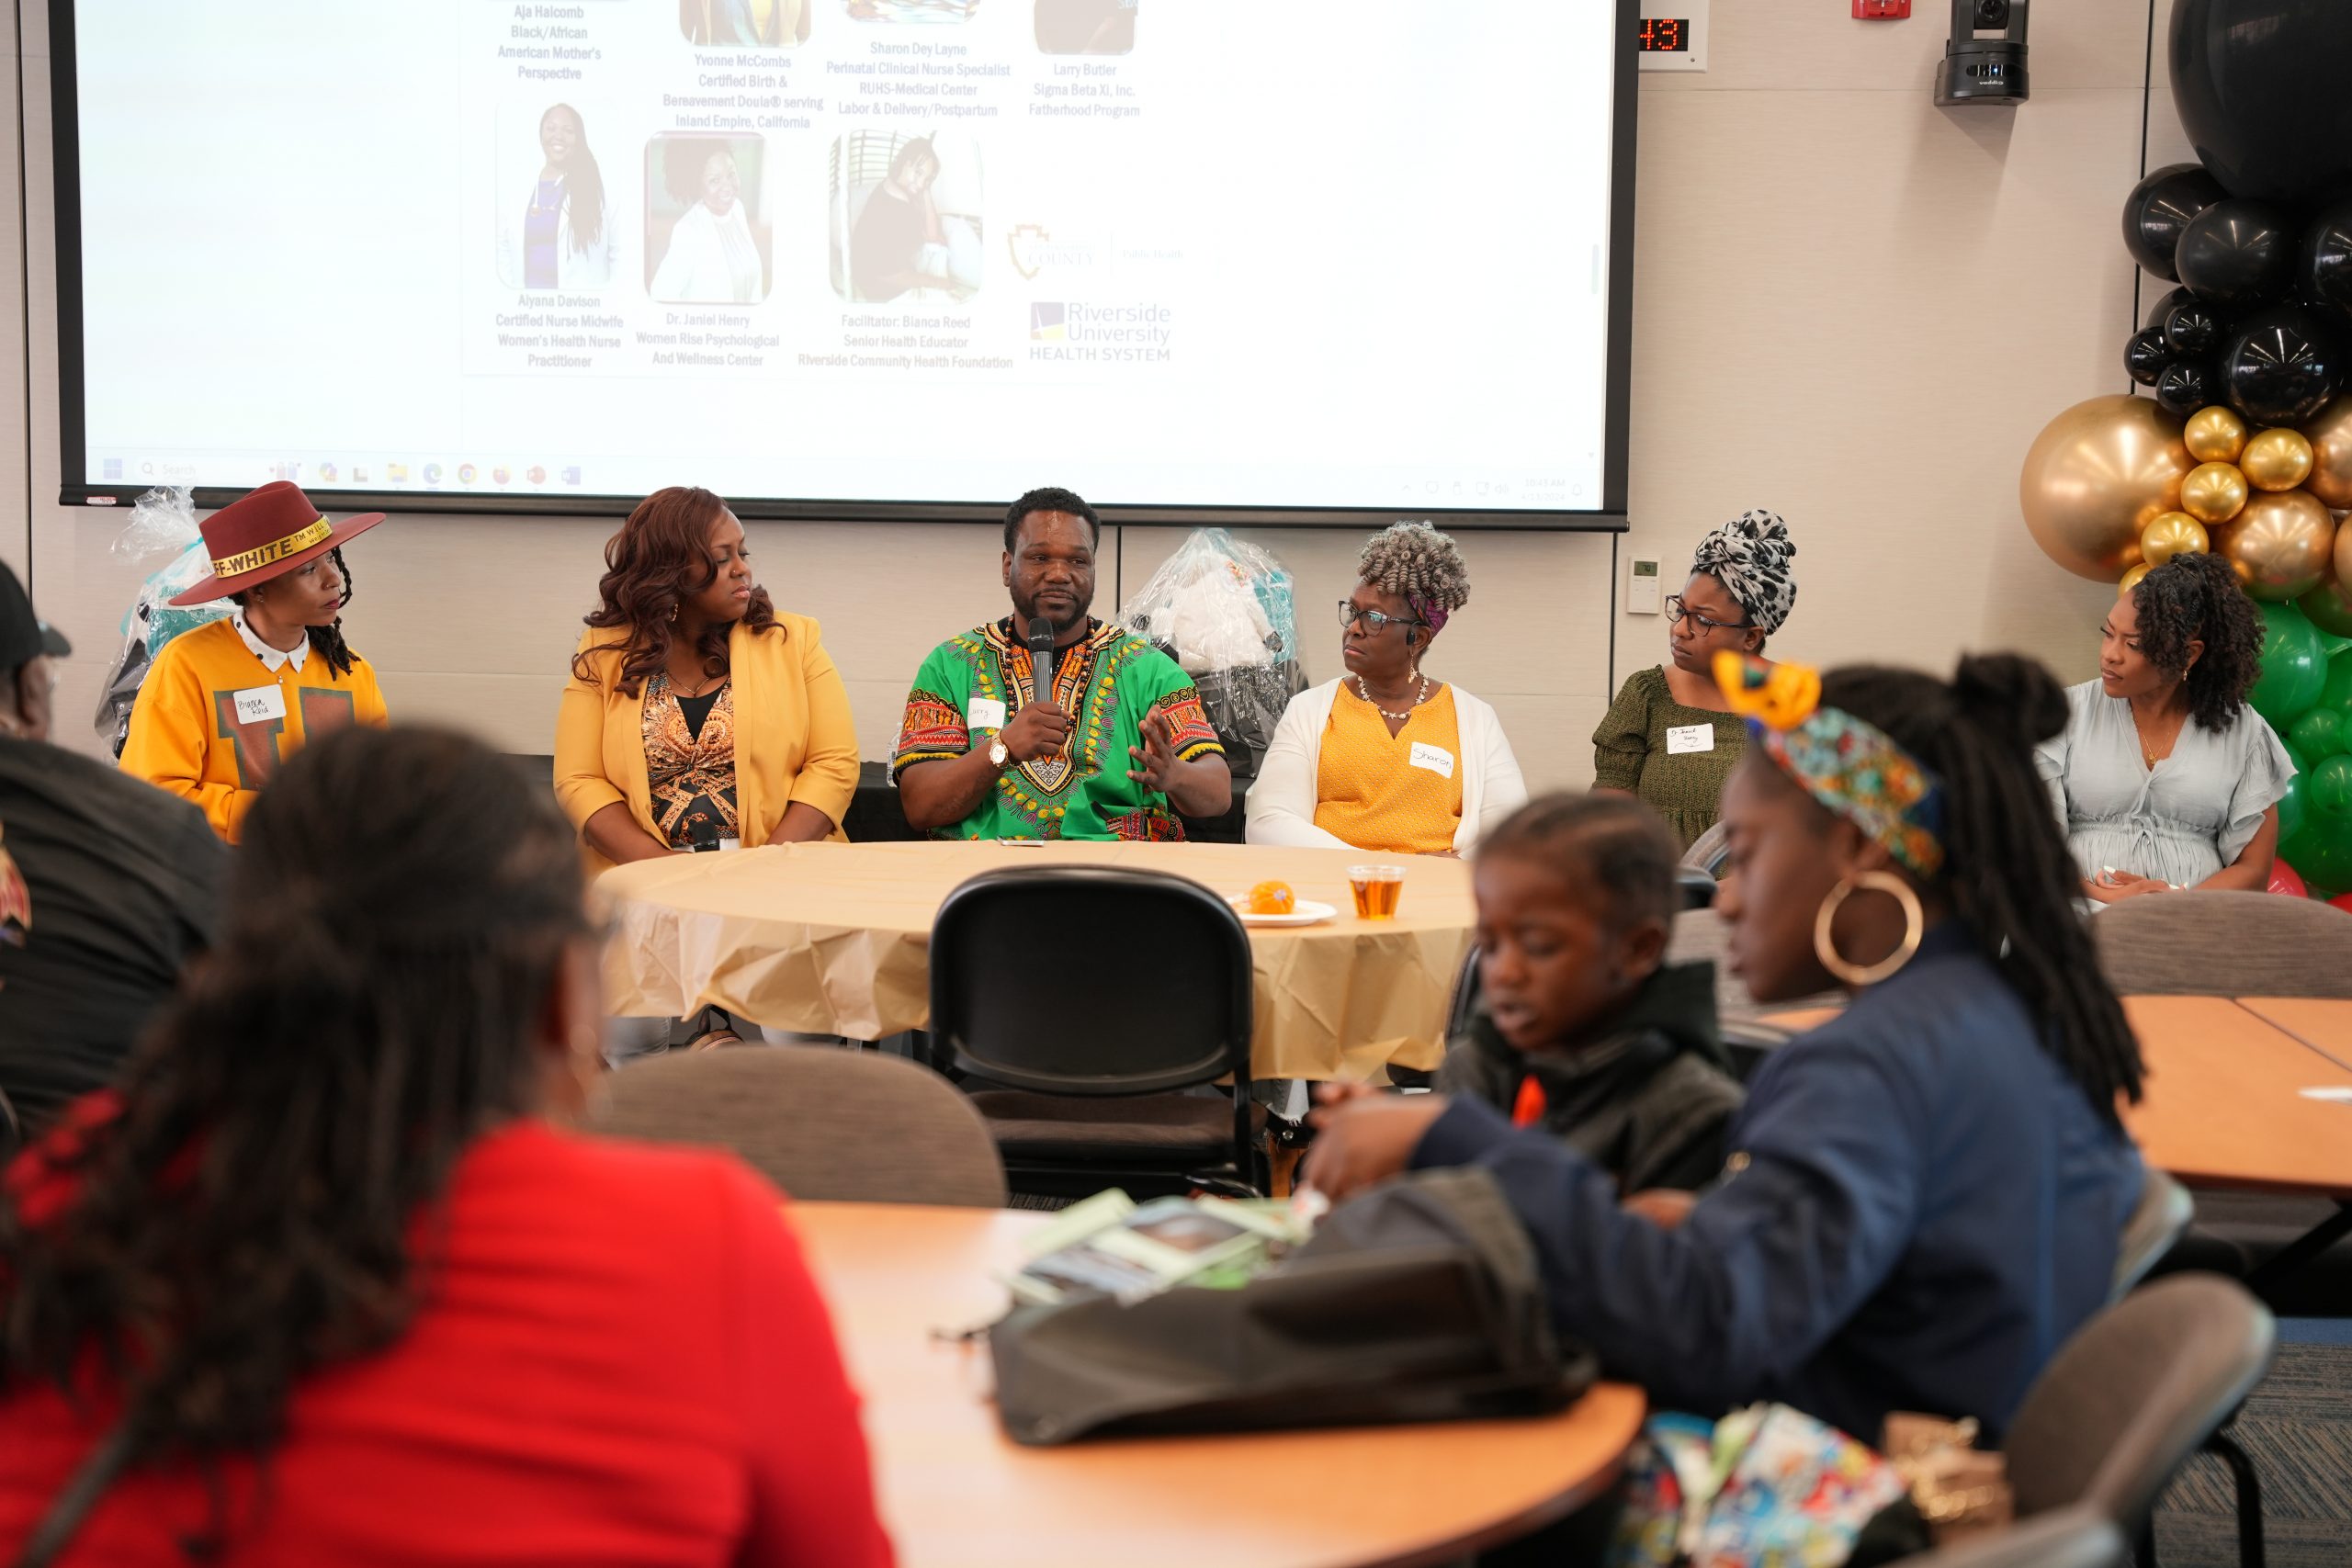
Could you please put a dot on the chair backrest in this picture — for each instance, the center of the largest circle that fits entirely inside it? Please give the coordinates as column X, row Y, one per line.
column 2126, row 1402
column 1469, row 992
column 1695, row 889
column 823, row 1123
column 2225, row 944
column 1708, row 849
column 1091, row 979
column 2164, row 1211
column 2064, row 1538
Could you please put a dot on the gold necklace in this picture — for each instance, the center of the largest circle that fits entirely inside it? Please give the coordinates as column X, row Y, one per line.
column 1420, row 697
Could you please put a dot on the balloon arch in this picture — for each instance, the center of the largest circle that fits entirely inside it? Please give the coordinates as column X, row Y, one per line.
column 2243, row 447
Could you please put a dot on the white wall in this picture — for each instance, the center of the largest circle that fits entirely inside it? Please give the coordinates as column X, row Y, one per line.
column 1850, row 306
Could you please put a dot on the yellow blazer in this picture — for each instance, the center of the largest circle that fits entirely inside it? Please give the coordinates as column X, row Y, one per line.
column 794, row 737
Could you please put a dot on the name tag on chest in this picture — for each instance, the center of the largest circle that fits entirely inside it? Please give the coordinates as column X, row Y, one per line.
column 1683, row 738
column 259, row 705
column 984, row 713
column 1436, row 758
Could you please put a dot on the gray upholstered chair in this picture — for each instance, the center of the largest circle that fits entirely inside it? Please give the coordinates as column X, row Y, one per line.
column 2064, row 1538
column 1708, row 851
column 2128, row 1399
column 823, row 1124
column 2163, row 1212
column 2225, row 944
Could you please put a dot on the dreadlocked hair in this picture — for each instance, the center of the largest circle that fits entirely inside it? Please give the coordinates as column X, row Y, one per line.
column 2196, row 599
column 1414, row 560
column 1612, row 842
column 326, row 641
column 658, row 560
column 2007, row 870
column 247, row 1209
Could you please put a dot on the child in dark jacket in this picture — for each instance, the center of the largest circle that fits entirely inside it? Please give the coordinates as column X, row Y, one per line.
column 1583, row 1029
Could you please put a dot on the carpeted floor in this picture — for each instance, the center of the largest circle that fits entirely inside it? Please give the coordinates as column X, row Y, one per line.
column 2298, row 1429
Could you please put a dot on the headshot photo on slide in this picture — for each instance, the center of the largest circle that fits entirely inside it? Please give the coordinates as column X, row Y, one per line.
column 917, row 11
column 556, row 223
column 745, row 24
column 709, row 239
column 1086, row 26
column 903, row 217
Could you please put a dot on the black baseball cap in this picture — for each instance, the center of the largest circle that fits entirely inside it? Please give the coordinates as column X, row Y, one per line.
column 24, row 636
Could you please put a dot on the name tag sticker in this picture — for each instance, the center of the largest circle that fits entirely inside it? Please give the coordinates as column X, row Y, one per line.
column 984, row 713
column 1436, row 758
column 1684, row 739
column 259, row 705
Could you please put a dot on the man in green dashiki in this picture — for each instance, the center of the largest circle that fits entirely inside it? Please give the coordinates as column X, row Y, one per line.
column 1116, row 745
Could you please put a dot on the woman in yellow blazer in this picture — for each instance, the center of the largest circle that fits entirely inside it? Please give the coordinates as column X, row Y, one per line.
column 695, row 713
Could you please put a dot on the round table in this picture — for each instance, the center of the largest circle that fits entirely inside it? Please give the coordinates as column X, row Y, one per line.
column 956, row 1492
column 835, row 938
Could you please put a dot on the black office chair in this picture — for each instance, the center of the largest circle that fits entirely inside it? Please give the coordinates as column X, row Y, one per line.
column 1092, row 994
column 1697, row 888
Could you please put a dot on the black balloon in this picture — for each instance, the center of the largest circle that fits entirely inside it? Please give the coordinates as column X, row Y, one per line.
column 2260, row 88
column 2145, row 357
column 2160, row 207
column 2163, row 307
column 2324, row 267
column 2280, row 366
column 2236, row 252
column 2193, row 327
column 2184, row 387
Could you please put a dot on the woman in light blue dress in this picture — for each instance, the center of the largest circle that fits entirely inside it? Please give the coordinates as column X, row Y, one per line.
column 2164, row 778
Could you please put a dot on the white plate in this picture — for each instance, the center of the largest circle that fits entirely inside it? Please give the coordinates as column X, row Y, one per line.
column 1306, row 913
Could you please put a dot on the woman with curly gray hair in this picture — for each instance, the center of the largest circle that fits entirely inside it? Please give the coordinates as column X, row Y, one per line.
column 1386, row 758
column 1670, row 737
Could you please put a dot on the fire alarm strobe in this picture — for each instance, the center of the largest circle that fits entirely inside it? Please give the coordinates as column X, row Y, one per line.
column 1983, row 61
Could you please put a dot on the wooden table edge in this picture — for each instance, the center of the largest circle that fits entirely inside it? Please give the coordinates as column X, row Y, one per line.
column 2251, row 1005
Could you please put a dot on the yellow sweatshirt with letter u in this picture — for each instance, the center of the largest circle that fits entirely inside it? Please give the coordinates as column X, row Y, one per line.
column 212, row 723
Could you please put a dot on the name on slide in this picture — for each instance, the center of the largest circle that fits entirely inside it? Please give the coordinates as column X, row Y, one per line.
column 544, row 33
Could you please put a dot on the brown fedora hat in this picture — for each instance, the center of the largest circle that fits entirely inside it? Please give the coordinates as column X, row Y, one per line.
column 266, row 534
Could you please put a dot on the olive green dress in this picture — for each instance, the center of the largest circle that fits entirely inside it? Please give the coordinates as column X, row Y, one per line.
column 1629, row 753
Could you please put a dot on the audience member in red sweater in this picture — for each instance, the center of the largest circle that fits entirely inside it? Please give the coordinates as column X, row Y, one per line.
column 321, row 1283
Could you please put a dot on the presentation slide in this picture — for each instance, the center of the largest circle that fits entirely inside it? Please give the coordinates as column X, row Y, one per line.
column 1254, row 253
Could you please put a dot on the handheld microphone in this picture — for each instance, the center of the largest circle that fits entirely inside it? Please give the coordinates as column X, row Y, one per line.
column 1041, row 660
column 703, row 834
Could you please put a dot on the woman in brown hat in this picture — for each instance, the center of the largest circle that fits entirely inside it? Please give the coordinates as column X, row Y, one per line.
column 225, row 703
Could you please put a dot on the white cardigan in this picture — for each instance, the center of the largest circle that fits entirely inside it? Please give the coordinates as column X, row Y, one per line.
column 1282, row 799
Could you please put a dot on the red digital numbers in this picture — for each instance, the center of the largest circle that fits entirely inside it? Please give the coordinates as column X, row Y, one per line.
column 1665, row 35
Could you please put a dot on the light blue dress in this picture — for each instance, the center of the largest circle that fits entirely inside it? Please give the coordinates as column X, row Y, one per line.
column 2180, row 821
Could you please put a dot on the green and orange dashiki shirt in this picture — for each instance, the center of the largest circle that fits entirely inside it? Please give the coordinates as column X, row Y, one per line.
column 1108, row 684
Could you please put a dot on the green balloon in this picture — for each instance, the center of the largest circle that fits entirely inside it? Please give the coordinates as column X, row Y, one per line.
column 2337, row 692
column 2327, row 796
column 2291, row 808
column 2322, row 856
column 2294, row 666
column 2322, row 731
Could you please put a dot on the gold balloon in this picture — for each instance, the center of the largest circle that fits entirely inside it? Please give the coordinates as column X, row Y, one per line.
column 2215, row 434
column 2096, row 476
column 2213, row 492
column 2276, row 459
column 2282, row 544
column 2131, row 579
column 2173, row 534
column 2330, row 434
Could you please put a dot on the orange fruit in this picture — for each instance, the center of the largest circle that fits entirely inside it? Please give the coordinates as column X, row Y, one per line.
column 1273, row 898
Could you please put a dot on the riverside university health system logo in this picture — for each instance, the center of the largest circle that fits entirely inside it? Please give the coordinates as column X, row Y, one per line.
column 1071, row 332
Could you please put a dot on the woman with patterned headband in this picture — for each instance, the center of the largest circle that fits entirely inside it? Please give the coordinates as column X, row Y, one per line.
column 1385, row 759
column 225, row 703
column 1670, row 737
column 1926, row 1193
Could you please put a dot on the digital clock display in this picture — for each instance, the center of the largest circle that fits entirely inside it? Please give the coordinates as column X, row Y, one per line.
column 1665, row 35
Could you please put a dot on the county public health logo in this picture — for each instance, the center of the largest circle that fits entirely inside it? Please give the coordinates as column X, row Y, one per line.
column 1049, row 322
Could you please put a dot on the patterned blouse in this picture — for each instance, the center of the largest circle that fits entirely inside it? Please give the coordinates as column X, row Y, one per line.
column 1632, row 751
column 693, row 777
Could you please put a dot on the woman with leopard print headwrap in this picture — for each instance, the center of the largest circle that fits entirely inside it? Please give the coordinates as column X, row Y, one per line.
column 1668, row 738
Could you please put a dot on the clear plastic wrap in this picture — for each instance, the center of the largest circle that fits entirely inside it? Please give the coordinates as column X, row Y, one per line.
column 161, row 531
column 1222, row 609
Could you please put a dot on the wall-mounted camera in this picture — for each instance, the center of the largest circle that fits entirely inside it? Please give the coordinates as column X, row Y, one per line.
column 1983, row 61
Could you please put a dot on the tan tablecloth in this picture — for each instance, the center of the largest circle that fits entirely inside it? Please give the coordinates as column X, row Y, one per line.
column 835, row 938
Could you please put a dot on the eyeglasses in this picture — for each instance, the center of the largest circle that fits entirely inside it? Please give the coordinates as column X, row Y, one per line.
column 1376, row 622
column 1676, row 610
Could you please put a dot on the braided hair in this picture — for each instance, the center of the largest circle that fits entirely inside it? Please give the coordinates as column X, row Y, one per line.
column 326, row 641
column 1611, row 842
column 1418, row 564
column 2196, row 599
column 248, row 1211
column 2007, row 870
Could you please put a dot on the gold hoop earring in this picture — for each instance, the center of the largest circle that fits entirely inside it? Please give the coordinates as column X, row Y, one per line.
column 1915, row 926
